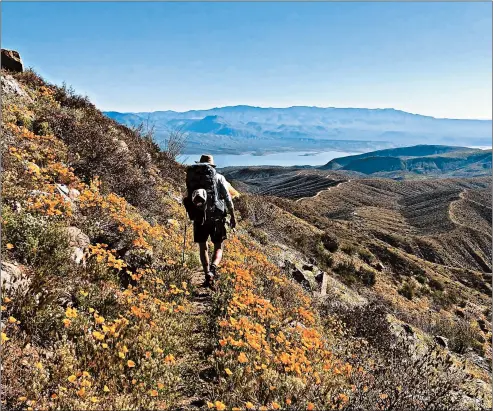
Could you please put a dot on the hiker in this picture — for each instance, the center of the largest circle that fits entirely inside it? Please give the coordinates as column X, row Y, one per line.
column 208, row 197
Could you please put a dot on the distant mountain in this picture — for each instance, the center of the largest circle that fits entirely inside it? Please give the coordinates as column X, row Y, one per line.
column 241, row 129
column 420, row 160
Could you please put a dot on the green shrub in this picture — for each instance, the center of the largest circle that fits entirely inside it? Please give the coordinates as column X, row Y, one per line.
column 435, row 284
column 349, row 249
column 347, row 270
column 37, row 241
column 408, row 290
column 367, row 276
column 42, row 128
column 460, row 333
column 330, row 241
column 260, row 236
column 366, row 255
column 445, row 298
column 324, row 258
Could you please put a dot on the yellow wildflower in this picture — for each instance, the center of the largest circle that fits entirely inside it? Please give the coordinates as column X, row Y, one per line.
column 220, row 406
column 242, row 358
column 97, row 335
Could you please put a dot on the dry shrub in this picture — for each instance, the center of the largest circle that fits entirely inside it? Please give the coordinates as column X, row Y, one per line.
column 330, row 241
column 255, row 209
column 460, row 333
column 391, row 372
column 175, row 143
column 80, row 337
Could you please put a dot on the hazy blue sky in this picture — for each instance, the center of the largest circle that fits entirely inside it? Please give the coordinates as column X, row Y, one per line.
column 426, row 58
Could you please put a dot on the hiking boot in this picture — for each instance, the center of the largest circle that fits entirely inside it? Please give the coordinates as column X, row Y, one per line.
column 209, row 280
column 213, row 270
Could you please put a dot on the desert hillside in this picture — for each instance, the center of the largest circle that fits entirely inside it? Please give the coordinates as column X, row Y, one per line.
column 418, row 161
column 102, row 307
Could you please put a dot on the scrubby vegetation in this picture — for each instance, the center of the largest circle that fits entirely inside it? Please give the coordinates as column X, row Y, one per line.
column 103, row 315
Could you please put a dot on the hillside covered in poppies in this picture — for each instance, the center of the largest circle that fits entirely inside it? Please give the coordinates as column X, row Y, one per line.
column 100, row 310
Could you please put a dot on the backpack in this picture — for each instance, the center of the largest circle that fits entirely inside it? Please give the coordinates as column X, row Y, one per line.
column 201, row 182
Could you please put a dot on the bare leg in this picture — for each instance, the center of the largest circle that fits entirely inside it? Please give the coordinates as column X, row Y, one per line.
column 204, row 256
column 218, row 254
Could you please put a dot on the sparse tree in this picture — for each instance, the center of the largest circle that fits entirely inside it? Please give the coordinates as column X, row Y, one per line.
column 176, row 142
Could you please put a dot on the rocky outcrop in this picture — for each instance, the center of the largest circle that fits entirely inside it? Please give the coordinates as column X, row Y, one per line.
column 11, row 61
column 301, row 277
column 11, row 86
column 78, row 243
column 121, row 146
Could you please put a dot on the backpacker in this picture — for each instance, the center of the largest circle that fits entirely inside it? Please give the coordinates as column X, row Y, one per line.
column 202, row 177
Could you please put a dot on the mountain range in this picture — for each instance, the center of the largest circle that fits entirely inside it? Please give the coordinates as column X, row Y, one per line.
column 241, row 129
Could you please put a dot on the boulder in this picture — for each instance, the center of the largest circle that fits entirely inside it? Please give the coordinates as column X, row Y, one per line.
column 121, row 146
column 442, row 341
column 68, row 194
column 302, row 277
column 78, row 243
column 13, row 278
column 77, row 238
column 11, row 60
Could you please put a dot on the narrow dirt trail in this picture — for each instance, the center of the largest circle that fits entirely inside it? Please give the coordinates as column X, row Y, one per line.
column 451, row 214
column 321, row 191
column 195, row 394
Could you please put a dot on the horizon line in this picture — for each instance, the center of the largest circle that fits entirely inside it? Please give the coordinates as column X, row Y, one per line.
column 295, row 106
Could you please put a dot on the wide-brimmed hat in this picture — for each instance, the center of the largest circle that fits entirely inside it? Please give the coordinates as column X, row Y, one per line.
column 206, row 158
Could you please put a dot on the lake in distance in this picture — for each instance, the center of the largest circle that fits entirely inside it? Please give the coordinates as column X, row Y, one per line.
column 285, row 159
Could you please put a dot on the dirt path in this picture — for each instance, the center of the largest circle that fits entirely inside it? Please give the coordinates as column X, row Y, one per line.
column 451, row 206
column 325, row 189
column 195, row 394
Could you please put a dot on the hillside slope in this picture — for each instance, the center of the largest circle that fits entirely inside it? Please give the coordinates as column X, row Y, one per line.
column 100, row 308
column 428, row 160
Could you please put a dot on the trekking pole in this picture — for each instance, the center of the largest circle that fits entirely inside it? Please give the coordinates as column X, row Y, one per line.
column 184, row 242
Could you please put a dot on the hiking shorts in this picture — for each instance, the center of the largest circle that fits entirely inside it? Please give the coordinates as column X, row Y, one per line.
column 216, row 229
